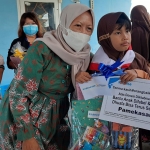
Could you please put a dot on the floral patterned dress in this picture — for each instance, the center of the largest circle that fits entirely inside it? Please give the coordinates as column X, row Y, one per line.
column 37, row 102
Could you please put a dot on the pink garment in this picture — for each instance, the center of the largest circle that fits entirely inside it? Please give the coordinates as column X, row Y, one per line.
column 79, row 92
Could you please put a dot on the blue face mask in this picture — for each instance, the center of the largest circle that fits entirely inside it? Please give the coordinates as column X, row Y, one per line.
column 30, row 29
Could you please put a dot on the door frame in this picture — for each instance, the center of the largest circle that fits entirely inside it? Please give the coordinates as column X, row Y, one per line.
column 57, row 8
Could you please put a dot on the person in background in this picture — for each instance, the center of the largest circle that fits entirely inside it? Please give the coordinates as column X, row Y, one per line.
column 1, row 67
column 29, row 29
column 141, row 44
column 33, row 109
column 141, row 31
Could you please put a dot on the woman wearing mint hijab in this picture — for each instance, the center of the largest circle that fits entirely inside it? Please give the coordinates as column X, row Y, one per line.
column 34, row 107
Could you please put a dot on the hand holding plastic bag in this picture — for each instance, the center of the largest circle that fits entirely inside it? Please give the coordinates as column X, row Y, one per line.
column 16, row 61
column 18, row 54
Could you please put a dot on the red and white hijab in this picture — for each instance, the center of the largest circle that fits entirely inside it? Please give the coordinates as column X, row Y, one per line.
column 101, row 57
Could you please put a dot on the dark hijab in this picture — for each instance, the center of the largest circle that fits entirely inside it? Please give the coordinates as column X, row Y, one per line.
column 141, row 31
column 105, row 27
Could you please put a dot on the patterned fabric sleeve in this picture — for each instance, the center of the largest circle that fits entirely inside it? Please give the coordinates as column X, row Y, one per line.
column 25, row 86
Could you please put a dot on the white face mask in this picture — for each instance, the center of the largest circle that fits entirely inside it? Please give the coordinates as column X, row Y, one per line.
column 76, row 40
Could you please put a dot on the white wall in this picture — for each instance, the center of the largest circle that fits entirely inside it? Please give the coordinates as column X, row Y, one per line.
column 145, row 3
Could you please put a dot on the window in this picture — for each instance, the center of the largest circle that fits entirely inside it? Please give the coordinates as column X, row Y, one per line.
column 47, row 11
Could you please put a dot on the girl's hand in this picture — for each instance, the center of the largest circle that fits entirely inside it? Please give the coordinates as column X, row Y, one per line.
column 82, row 77
column 30, row 144
column 129, row 75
